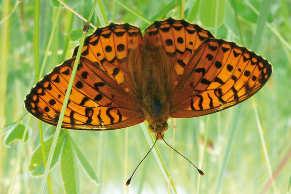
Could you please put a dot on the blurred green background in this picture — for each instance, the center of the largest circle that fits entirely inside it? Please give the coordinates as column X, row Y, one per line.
column 240, row 149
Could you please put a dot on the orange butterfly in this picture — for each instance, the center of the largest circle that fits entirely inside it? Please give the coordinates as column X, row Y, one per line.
column 176, row 69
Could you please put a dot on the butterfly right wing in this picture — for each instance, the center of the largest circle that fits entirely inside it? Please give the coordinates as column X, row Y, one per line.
column 101, row 96
column 220, row 74
column 179, row 39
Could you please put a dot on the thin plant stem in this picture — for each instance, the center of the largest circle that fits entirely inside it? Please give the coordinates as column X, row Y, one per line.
column 201, row 153
column 36, row 30
column 43, row 155
column 264, row 146
column 101, row 13
column 101, row 136
column 100, row 155
column 125, row 169
column 64, row 106
column 36, row 35
column 8, row 15
column 271, row 27
column 233, row 129
column 262, row 20
column 279, row 169
column 181, row 8
column 4, row 48
column 66, row 6
column 51, row 38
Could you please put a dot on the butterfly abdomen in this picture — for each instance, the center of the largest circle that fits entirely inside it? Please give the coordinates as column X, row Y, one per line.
column 154, row 86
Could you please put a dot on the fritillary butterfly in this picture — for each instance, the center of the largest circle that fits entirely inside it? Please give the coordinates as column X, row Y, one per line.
column 176, row 69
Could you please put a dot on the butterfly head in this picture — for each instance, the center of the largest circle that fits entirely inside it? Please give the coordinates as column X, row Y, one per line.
column 158, row 127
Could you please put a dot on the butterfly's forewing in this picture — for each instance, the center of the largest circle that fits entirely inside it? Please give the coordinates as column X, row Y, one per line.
column 110, row 47
column 179, row 39
column 100, row 97
column 220, row 74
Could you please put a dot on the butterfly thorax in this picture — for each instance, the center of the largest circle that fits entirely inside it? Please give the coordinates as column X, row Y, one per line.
column 151, row 85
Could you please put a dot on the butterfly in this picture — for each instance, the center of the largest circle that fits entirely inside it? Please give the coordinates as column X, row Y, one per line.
column 174, row 70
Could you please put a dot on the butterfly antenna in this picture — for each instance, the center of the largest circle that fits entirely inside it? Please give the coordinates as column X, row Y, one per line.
column 128, row 180
column 198, row 169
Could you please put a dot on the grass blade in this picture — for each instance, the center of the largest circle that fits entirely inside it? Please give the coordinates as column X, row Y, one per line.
column 133, row 12
column 193, row 10
column 18, row 133
column 68, row 168
column 233, row 129
column 214, row 16
column 84, row 162
column 271, row 27
column 64, row 106
column 36, row 38
column 262, row 20
column 4, row 46
column 264, row 147
column 40, row 155
column 50, row 41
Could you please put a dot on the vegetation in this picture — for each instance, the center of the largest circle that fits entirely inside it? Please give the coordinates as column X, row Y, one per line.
column 244, row 149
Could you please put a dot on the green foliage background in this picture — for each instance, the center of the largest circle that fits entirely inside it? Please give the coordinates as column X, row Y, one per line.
column 239, row 149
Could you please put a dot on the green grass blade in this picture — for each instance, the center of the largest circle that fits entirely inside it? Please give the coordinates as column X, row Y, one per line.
column 202, row 149
column 40, row 156
column 101, row 14
column 50, row 41
column 271, row 27
column 264, row 146
column 100, row 161
column 36, row 38
column 4, row 48
column 68, row 168
column 67, row 31
column 17, row 133
column 64, row 106
column 66, row 6
column 133, row 12
column 233, row 129
column 181, row 5
column 163, row 12
column 84, row 162
column 125, row 163
column 193, row 10
column 212, row 12
column 5, row 36
column 262, row 19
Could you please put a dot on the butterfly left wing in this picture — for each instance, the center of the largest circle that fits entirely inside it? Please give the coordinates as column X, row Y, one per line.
column 101, row 96
column 94, row 103
column 219, row 75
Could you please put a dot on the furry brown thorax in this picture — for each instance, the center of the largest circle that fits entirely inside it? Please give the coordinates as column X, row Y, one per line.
column 153, row 91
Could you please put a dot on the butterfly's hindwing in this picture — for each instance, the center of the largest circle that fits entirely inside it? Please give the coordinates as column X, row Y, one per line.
column 221, row 74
